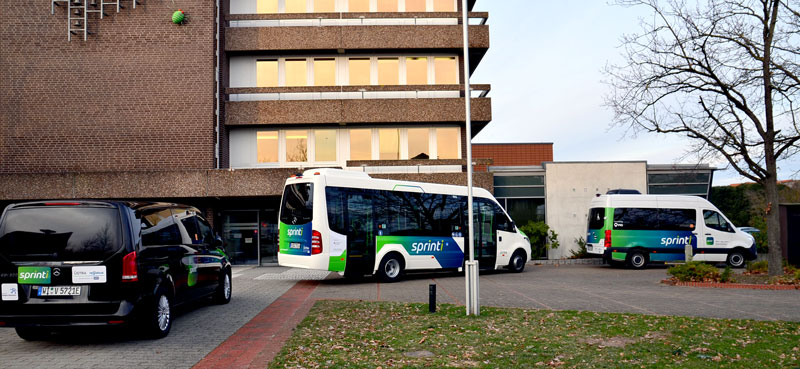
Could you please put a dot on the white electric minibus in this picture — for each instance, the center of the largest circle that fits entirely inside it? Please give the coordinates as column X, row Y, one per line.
column 346, row 221
column 637, row 229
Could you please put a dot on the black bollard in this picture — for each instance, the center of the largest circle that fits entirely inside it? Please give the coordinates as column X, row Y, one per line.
column 432, row 298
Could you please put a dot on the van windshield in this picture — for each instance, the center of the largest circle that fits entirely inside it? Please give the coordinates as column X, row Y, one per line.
column 597, row 218
column 60, row 234
column 298, row 204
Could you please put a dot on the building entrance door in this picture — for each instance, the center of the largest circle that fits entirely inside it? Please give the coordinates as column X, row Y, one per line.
column 240, row 231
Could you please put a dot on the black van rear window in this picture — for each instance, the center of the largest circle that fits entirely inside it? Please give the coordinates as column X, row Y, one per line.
column 597, row 218
column 298, row 203
column 60, row 234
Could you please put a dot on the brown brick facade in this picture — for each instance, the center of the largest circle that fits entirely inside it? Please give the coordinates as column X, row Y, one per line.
column 138, row 95
column 509, row 155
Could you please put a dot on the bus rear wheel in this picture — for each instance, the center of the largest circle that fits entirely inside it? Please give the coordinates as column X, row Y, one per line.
column 391, row 268
column 637, row 259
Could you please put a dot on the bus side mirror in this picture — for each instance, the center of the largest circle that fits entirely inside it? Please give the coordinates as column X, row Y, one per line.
column 217, row 241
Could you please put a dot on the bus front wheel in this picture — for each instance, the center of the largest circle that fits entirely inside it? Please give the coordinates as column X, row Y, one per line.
column 391, row 268
column 517, row 262
column 637, row 259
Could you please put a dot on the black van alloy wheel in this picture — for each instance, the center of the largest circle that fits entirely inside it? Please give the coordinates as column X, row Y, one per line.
column 157, row 321
column 225, row 289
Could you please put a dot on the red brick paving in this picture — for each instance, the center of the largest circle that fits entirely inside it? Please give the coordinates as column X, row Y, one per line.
column 258, row 341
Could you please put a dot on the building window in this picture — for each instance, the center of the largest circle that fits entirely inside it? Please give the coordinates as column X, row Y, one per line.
column 359, row 71
column 325, row 72
column 446, row 70
column 448, row 142
column 325, row 145
column 360, row 144
column 418, row 143
column 267, row 146
column 324, row 6
column 444, row 6
column 296, row 6
column 387, row 5
column 359, row 6
column 416, row 71
column 297, row 146
column 416, row 5
column 266, row 6
column 266, row 73
column 389, row 143
column 296, row 72
column 388, row 71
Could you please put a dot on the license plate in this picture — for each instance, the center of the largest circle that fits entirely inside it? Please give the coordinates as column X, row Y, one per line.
column 294, row 245
column 59, row 291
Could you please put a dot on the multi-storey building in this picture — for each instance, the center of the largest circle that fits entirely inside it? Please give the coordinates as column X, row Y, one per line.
column 111, row 99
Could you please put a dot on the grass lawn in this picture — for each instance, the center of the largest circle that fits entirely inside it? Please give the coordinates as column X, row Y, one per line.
column 384, row 335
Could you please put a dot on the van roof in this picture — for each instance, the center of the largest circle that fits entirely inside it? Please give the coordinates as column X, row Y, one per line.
column 653, row 200
column 135, row 205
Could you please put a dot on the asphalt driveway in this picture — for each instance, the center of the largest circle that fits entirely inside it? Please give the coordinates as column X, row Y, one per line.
column 578, row 287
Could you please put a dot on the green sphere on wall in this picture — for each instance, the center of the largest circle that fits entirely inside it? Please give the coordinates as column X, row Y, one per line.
column 178, row 17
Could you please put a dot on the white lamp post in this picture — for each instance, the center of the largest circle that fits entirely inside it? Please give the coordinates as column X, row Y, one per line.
column 471, row 272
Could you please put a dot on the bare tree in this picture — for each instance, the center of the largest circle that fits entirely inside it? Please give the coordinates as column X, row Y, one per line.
column 726, row 74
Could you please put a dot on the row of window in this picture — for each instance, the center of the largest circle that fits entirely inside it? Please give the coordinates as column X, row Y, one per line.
column 335, row 145
column 361, row 6
column 357, row 71
column 659, row 219
column 376, row 212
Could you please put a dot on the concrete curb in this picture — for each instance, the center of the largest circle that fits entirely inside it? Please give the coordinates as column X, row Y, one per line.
column 775, row 287
column 591, row 261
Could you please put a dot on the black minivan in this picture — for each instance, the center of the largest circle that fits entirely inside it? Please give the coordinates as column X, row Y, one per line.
column 96, row 262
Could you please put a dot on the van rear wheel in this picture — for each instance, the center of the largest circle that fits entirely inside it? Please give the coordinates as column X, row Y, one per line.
column 637, row 259
column 391, row 268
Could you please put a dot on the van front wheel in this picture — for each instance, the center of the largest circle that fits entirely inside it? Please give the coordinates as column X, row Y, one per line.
column 736, row 259
column 637, row 259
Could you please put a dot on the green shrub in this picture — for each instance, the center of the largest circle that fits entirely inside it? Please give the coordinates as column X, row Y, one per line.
column 726, row 275
column 581, row 253
column 757, row 267
column 541, row 237
column 695, row 271
column 797, row 276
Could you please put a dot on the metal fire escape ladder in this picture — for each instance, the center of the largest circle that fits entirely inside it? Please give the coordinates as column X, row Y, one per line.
column 77, row 19
column 78, row 13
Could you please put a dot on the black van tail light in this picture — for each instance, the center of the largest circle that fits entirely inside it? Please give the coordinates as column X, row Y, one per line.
column 61, row 203
column 316, row 243
column 607, row 242
column 129, row 268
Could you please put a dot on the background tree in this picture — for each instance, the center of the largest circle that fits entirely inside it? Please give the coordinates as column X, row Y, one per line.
column 724, row 73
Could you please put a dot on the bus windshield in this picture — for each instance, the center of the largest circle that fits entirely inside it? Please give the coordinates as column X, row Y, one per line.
column 298, row 204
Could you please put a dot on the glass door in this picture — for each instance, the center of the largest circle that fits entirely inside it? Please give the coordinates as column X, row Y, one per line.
column 241, row 234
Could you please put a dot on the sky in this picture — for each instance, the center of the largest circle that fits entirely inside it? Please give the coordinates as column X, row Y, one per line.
column 545, row 64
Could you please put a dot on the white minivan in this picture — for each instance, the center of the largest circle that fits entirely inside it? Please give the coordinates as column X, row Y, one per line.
column 637, row 229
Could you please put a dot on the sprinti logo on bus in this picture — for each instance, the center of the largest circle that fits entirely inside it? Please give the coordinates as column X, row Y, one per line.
column 294, row 232
column 677, row 240
column 429, row 246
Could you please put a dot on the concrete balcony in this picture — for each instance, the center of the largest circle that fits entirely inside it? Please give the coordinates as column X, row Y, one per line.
column 359, row 31
column 355, row 105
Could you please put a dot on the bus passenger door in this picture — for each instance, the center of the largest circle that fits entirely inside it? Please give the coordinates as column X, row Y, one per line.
column 360, row 236
column 485, row 249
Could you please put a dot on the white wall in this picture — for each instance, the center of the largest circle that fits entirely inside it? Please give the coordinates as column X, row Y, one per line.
column 570, row 186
